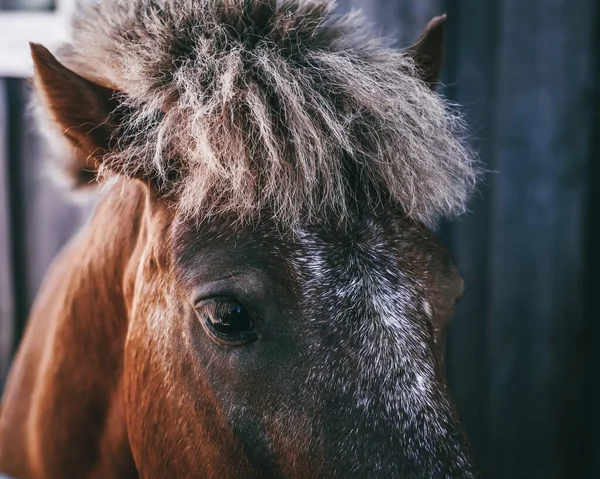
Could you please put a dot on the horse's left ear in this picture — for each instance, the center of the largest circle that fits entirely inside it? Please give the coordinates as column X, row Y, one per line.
column 82, row 109
column 428, row 51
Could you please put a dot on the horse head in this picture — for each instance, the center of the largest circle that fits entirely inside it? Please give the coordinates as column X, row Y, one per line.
column 259, row 293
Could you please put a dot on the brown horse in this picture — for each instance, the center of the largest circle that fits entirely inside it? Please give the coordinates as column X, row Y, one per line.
column 258, row 293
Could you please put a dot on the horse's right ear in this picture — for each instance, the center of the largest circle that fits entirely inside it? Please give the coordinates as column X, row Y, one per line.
column 428, row 51
column 82, row 109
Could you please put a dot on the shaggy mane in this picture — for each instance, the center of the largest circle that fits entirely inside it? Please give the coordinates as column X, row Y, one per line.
column 245, row 105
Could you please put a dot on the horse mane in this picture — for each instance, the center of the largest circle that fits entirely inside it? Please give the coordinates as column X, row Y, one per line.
column 242, row 105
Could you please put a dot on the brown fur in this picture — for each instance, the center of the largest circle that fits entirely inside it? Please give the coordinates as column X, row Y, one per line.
column 82, row 399
column 73, row 348
column 96, row 392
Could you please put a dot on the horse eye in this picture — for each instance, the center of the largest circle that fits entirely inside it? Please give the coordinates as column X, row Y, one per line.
column 227, row 321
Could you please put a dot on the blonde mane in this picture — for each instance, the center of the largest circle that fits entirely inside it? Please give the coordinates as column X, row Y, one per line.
column 245, row 105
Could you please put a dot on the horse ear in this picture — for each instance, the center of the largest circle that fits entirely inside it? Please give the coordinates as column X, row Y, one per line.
column 428, row 51
column 81, row 108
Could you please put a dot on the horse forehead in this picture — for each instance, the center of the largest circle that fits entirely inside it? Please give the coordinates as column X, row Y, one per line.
column 376, row 260
column 364, row 290
column 365, row 267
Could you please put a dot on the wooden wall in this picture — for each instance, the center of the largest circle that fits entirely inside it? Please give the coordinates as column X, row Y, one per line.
column 6, row 289
column 522, row 349
column 522, row 358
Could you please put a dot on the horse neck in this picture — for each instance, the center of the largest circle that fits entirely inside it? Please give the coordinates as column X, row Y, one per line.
column 63, row 410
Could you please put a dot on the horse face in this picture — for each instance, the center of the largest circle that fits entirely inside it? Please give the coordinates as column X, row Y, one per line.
column 314, row 355
column 275, row 350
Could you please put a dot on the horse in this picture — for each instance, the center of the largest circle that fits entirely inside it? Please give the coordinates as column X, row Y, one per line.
column 260, row 291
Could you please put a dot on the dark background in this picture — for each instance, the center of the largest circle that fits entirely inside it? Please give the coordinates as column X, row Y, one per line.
column 522, row 350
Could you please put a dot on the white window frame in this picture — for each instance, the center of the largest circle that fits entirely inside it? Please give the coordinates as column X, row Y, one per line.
column 18, row 28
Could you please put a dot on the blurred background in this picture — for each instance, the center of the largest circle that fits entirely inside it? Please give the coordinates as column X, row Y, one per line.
column 523, row 352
